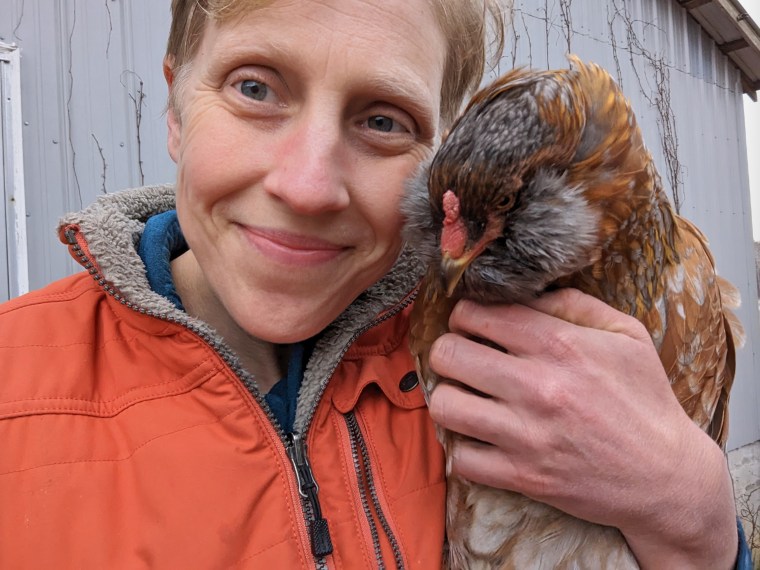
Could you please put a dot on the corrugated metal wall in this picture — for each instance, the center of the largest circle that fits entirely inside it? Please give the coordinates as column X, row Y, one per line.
column 82, row 63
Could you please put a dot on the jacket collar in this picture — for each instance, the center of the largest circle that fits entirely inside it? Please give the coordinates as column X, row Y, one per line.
column 379, row 359
column 111, row 229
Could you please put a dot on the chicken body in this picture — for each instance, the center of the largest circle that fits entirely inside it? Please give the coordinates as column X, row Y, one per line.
column 545, row 182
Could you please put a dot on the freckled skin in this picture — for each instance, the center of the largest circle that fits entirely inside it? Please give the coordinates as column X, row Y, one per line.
column 558, row 159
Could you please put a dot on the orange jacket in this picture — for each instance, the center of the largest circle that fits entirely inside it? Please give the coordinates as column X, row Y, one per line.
column 129, row 441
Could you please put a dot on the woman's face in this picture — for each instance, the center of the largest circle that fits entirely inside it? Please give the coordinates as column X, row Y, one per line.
column 299, row 124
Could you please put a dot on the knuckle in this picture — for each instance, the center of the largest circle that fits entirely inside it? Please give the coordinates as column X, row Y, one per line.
column 556, row 396
column 488, row 428
column 571, row 295
column 529, row 480
column 637, row 328
column 564, row 343
column 536, row 485
column 567, row 297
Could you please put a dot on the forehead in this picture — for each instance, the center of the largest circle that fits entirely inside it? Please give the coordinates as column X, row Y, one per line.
column 408, row 14
column 379, row 38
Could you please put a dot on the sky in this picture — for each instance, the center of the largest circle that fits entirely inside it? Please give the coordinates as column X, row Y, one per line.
column 752, row 125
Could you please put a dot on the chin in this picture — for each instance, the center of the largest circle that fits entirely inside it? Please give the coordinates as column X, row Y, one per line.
column 287, row 327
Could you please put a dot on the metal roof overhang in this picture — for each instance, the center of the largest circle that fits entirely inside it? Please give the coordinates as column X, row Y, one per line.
column 737, row 36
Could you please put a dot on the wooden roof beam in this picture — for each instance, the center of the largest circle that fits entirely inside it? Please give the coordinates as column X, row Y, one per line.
column 750, row 87
column 693, row 4
column 728, row 47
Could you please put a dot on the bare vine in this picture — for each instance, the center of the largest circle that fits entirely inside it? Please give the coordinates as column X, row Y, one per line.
column 749, row 512
column 655, row 84
column 565, row 9
column 515, row 35
column 613, row 42
column 527, row 36
column 18, row 22
column 138, row 101
column 68, row 104
column 547, row 28
column 659, row 97
column 103, row 160
column 110, row 28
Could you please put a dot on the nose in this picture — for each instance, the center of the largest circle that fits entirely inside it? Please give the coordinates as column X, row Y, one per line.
column 308, row 172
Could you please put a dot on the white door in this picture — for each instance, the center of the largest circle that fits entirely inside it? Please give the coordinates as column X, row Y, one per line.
column 14, row 273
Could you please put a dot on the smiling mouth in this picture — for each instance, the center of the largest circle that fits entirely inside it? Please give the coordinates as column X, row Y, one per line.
column 286, row 248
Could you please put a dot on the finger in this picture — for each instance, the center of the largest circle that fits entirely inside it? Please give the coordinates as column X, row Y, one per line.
column 488, row 465
column 461, row 411
column 529, row 330
column 512, row 327
column 481, row 367
column 576, row 307
column 521, row 330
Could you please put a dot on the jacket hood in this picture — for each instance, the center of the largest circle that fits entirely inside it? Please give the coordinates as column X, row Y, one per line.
column 111, row 229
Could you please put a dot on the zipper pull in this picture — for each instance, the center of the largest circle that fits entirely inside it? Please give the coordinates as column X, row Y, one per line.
column 321, row 543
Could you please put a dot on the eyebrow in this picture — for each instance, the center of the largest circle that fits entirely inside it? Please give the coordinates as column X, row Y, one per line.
column 225, row 55
column 403, row 89
column 408, row 92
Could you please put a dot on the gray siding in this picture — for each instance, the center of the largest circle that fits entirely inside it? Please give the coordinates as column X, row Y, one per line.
column 81, row 66
column 82, row 62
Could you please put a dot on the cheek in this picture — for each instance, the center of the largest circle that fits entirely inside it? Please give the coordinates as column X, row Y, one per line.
column 215, row 160
column 379, row 196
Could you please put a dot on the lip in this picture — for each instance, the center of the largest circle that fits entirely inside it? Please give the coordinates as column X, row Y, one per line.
column 286, row 248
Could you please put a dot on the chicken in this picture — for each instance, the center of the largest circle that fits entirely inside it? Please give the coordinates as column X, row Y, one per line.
column 545, row 182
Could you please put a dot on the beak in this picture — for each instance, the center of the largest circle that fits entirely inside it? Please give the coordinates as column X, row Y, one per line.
column 452, row 270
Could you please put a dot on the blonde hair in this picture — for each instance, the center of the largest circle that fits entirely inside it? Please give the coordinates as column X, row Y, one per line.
column 471, row 28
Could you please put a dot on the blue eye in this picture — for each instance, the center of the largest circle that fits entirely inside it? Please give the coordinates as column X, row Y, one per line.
column 382, row 124
column 254, row 89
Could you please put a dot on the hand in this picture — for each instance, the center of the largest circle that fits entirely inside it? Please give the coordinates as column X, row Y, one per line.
column 579, row 414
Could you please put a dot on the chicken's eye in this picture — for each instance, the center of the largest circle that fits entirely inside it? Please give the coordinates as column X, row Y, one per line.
column 507, row 202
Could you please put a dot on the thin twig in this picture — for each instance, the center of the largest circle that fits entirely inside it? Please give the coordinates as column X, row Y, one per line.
column 110, row 28
column 138, row 100
column 68, row 104
column 103, row 160
column 18, row 22
column 565, row 8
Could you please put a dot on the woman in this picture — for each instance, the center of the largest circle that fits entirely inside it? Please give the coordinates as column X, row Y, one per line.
column 171, row 424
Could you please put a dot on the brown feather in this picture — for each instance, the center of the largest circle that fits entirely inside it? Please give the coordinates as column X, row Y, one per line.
column 566, row 144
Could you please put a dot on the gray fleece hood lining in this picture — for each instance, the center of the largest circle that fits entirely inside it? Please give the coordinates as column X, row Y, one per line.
column 112, row 228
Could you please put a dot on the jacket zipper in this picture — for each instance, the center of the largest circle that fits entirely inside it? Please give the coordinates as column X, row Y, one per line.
column 321, row 543
column 319, row 533
column 239, row 372
column 363, row 469
column 363, row 498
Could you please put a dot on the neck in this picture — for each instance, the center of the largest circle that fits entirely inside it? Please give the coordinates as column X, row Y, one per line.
column 264, row 360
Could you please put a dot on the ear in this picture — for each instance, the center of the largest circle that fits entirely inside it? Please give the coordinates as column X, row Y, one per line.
column 169, row 70
column 172, row 119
